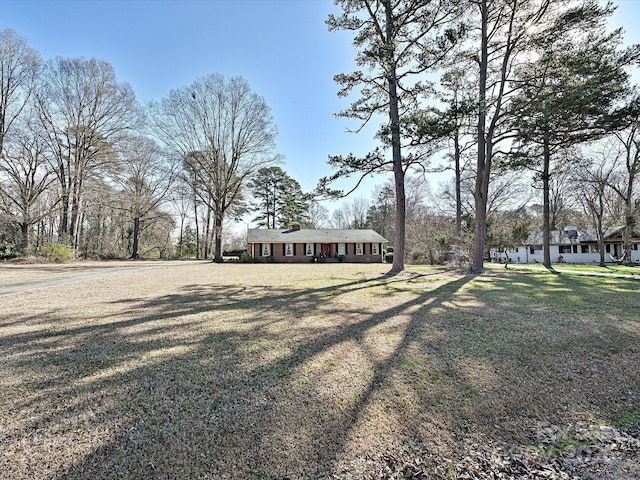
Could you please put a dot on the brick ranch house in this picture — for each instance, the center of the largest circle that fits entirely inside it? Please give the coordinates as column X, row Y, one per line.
column 575, row 246
column 298, row 245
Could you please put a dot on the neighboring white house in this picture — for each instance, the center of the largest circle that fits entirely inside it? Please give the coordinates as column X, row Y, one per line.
column 573, row 246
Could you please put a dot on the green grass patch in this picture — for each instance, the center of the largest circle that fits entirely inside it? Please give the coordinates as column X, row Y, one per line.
column 629, row 418
column 611, row 269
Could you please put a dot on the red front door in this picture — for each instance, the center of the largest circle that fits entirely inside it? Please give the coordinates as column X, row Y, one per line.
column 325, row 249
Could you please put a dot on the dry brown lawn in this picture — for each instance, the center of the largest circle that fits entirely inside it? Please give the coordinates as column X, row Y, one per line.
column 140, row 370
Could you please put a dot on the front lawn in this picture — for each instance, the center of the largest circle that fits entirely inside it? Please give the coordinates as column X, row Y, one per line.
column 317, row 371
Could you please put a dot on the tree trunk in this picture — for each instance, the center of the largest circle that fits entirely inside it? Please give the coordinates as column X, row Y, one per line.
column 458, row 180
column 398, row 171
column 218, row 238
column 74, row 223
column 207, row 234
column 181, row 243
column 24, row 237
column 629, row 219
column 603, row 261
column 63, row 228
column 546, row 231
column 136, row 237
column 481, row 187
column 627, row 236
column 195, row 212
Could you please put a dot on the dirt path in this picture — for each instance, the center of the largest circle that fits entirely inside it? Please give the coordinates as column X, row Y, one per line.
column 23, row 278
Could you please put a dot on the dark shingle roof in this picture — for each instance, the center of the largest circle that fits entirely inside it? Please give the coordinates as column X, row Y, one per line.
column 260, row 235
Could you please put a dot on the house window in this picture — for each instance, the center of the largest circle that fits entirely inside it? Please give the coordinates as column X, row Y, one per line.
column 564, row 248
column 341, row 249
column 535, row 249
column 374, row 249
column 359, row 249
column 288, row 249
column 594, row 248
column 266, row 249
column 607, row 248
column 635, row 246
column 309, row 250
column 584, row 248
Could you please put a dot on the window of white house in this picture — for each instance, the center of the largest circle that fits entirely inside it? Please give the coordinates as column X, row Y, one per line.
column 607, row 248
column 564, row 248
column 309, row 251
column 635, row 246
column 359, row 250
column 288, row 249
column 341, row 249
column 266, row 249
column 374, row 249
column 533, row 249
column 594, row 248
column 584, row 248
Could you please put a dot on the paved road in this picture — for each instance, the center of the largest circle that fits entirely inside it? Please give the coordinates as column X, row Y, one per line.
column 73, row 277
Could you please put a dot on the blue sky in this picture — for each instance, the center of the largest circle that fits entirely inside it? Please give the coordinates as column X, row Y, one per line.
column 281, row 47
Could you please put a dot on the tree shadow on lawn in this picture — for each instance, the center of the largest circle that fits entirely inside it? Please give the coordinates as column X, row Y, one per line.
column 222, row 411
column 87, row 361
column 222, row 382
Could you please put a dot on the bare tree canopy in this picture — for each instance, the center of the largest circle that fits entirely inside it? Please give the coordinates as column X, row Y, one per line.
column 624, row 182
column 23, row 181
column 224, row 132
column 145, row 175
column 19, row 67
column 83, row 110
column 26, row 180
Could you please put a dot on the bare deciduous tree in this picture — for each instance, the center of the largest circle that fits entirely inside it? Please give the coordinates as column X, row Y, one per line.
column 145, row 176
column 625, row 182
column 225, row 132
column 19, row 67
column 25, row 180
column 181, row 199
column 22, row 180
column 352, row 214
column 318, row 215
column 83, row 110
column 590, row 179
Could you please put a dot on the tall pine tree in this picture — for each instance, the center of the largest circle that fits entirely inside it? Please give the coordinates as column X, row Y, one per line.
column 278, row 199
column 571, row 94
column 397, row 42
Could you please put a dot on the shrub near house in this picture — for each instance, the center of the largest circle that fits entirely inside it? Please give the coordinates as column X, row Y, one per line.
column 298, row 245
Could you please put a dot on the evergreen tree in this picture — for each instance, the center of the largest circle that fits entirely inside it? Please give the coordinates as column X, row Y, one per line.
column 278, row 199
column 505, row 31
column 398, row 43
column 570, row 93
